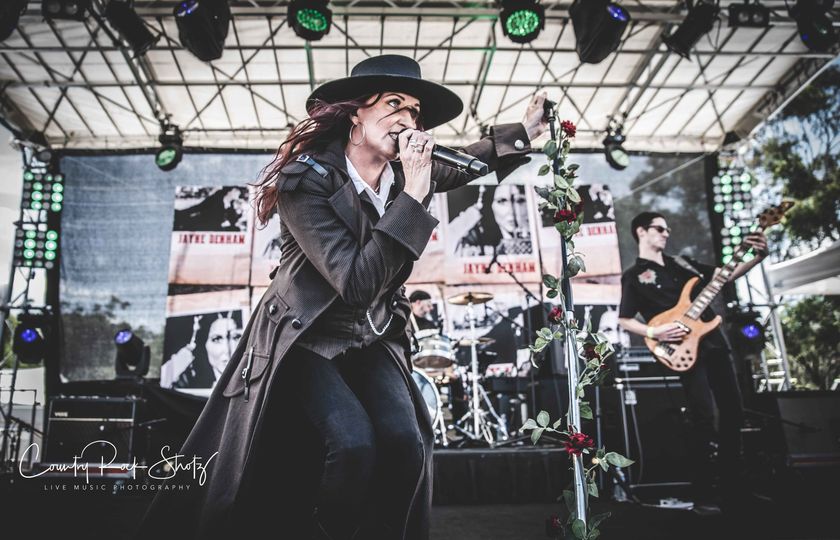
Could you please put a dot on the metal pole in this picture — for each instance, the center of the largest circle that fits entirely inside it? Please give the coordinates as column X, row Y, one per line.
column 570, row 354
column 778, row 336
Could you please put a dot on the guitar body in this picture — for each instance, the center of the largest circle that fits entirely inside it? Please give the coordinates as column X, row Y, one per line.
column 680, row 356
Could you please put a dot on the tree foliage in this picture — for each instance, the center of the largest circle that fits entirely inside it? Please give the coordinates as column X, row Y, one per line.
column 811, row 327
column 799, row 152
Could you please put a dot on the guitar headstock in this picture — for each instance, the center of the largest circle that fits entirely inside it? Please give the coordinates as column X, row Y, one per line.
column 774, row 214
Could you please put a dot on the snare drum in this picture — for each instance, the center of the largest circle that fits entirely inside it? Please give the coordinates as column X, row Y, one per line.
column 436, row 350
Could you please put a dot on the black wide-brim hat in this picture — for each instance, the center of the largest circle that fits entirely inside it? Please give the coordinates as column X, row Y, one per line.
column 392, row 73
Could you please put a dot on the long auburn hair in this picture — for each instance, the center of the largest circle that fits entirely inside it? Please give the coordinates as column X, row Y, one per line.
column 326, row 123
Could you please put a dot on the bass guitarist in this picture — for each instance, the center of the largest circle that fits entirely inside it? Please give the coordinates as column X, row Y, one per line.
column 653, row 285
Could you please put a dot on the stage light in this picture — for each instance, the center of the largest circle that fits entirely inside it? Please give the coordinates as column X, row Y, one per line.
column 10, row 12
column 697, row 23
column 747, row 331
column 203, row 27
column 310, row 19
column 171, row 151
column 599, row 25
column 814, row 24
column 753, row 15
column 65, row 9
column 614, row 151
column 132, row 360
column 30, row 338
column 121, row 15
column 522, row 20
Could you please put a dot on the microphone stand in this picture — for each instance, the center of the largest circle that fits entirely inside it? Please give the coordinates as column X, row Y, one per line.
column 570, row 347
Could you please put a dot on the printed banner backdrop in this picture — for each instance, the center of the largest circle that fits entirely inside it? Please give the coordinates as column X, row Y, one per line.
column 202, row 331
column 211, row 240
column 126, row 230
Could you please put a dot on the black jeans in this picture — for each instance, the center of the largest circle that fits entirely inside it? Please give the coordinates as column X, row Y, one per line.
column 359, row 408
column 712, row 382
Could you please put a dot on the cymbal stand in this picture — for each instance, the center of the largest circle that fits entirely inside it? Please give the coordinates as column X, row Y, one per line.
column 475, row 424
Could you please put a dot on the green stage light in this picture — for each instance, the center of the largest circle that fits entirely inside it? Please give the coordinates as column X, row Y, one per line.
column 57, row 197
column 35, row 205
column 52, row 235
column 28, row 175
column 719, row 208
column 522, row 20
column 310, row 19
column 58, row 188
column 28, row 254
column 55, row 207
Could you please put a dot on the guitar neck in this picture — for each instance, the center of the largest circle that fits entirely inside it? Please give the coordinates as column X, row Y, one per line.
column 710, row 291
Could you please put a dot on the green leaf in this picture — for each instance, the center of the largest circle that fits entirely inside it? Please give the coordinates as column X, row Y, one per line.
column 573, row 167
column 592, row 487
column 545, row 333
column 597, row 519
column 539, row 344
column 579, row 529
column 543, row 419
column 573, row 195
column 550, row 281
column 593, row 534
column 557, row 423
column 569, row 499
column 535, row 435
column 573, row 267
column 544, row 170
column 542, row 191
column 561, row 182
column 617, row 460
column 550, row 148
column 551, row 293
column 585, row 410
column 559, row 334
column 529, row 424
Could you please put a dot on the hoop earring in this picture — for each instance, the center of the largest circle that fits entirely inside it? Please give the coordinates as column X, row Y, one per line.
column 364, row 134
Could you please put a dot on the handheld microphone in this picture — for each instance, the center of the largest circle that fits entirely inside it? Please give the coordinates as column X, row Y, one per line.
column 459, row 160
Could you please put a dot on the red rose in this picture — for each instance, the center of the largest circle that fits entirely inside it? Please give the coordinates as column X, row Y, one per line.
column 577, row 443
column 564, row 215
column 568, row 128
column 589, row 351
column 556, row 314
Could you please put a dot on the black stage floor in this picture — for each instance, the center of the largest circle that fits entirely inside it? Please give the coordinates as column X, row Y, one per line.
column 500, row 494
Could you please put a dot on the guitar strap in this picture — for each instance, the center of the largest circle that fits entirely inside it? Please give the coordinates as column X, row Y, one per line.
column 687, row 265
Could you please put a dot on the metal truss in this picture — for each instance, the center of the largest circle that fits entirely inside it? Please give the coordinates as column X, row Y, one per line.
column 656, row 90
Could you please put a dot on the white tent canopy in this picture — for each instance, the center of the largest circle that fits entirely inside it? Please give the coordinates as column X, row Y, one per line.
column 80, row 87
column 817, row 272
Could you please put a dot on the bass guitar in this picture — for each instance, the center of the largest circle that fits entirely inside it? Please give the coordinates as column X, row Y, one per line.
column 681, row 356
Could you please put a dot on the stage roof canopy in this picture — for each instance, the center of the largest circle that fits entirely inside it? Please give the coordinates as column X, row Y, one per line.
column 77, row 84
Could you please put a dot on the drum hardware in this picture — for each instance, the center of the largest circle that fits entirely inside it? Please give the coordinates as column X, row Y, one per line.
column 475, row 424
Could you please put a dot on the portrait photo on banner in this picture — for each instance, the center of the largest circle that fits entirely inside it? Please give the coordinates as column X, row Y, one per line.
column 490, row 224
column 211, row 236
column 202, row 331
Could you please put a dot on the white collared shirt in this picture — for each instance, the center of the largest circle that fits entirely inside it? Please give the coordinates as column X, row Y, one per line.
column 386, row 179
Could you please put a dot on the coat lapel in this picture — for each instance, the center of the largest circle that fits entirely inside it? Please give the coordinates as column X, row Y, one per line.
column 348, row 208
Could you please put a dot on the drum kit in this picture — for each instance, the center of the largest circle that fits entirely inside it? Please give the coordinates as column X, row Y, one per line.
column 436, row 366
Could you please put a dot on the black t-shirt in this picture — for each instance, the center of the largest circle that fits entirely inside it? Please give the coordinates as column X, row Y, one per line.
column 648, row 288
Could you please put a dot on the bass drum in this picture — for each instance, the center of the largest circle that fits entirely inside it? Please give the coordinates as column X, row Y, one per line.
column 430, row 394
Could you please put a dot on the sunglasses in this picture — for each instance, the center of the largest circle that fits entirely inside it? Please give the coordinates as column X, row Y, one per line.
column 660, row 229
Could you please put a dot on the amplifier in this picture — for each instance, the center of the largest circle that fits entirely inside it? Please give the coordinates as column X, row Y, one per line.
column 637, row 364
column 94, row 429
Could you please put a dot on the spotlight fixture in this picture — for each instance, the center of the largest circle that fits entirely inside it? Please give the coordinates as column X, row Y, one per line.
column 203, row 27
column 121, row 15
column 171, row 151
column 814, row 24
column 599, row 25
column 310, row 19
column 132, row 360
column 746, row 331
column 30, row 338
column 522, row 20
column 614, row 151
column 696, row 24
column 65, row 9
column 753, row 15
column 10, row 12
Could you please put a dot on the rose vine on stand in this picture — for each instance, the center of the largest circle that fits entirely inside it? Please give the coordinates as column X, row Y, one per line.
column 563, row 199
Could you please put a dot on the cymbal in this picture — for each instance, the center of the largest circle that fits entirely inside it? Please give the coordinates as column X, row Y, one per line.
column 476, row 297
column 480, row 342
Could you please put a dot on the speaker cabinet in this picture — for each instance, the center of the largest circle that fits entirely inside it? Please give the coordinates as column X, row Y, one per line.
column 90, row 429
